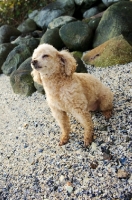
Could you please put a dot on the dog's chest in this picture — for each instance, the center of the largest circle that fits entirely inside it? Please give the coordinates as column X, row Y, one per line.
column 54, row 99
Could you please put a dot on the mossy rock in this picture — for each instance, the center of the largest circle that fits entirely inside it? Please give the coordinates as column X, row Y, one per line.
column 21, row 79
column 77, row 54
column 114, row 51
column 15, row 58
column 53, row 10
column 93, row 23
column 80, row 65
column 51, row 36
column 60, row 21
column 39, row 88
column 29, row 41
column 5, row 49
column 27, row 26
column 77, row 36
column 116, row 20
column 6, row 31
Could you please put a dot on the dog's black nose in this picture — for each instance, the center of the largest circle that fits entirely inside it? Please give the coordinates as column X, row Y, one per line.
column 34, row 62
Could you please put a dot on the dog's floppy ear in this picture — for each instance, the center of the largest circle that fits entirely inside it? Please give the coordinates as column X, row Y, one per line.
column 68, row 62
column 36, row 77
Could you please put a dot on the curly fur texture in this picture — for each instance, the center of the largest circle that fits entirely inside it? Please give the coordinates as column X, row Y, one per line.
column 69, row 92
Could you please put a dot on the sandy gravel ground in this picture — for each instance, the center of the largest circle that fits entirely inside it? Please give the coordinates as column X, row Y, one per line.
column 33, row 166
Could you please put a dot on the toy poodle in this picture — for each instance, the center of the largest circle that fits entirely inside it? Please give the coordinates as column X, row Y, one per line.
column 69, row 92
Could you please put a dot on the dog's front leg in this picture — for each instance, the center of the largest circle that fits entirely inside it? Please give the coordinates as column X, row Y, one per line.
column 63, row 121
column 84, row 117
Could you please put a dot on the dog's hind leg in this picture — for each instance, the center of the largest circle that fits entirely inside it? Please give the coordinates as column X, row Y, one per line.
column 106, row 104
column 84, row 117
column 63, row 121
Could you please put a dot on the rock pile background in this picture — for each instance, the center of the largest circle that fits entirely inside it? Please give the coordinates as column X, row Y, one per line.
column 102, row 28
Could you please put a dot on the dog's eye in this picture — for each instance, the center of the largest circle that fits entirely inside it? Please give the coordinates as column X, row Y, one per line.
column 45, row 56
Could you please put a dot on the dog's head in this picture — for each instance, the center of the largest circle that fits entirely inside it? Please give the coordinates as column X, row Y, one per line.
column 48, row 61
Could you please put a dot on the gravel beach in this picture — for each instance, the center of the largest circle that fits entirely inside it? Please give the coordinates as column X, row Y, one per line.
column 34, row 167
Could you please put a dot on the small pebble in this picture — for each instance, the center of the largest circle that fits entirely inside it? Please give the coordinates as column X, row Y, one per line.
column 69, row 187
column 107, row 156
column 26, row 125
column 93, row 146
column 122, row 174
column 61, row 178
column 123, row 160
column 94, row 164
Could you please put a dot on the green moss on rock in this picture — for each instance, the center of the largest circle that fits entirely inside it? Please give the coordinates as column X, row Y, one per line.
column 21, row 79
column 115, row 51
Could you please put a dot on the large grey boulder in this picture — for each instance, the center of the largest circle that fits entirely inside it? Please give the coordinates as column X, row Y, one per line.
column 76, row 36
column 60, row 21
column 85, row 4
column 20, row 53
column 116, row 20
column 5, row 49
column 93, row 23
column 27, row 26
column 17, row 56
column 91, row 12
column 110, row 2
column 21, row 79
column 94, row 10
column 6, row 32
column 51, row 36
column 28, row 41
column 52, row 11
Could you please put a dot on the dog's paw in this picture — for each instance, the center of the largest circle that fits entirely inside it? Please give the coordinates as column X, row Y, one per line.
column 63, row 141
column 88, row 141
column 107, row 114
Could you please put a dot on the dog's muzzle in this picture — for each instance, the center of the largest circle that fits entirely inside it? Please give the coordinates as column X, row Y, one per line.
column 35, row 64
